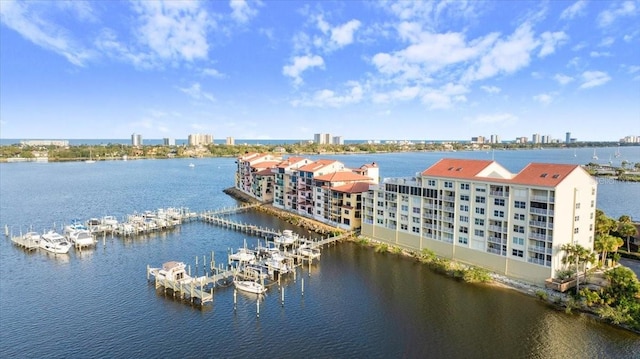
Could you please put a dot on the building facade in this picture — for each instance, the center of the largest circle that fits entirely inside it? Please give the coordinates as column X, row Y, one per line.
column 479, row 213
column 199, row 139
column 136, row 140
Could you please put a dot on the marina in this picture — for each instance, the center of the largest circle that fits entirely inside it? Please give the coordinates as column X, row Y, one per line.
column 354, row 303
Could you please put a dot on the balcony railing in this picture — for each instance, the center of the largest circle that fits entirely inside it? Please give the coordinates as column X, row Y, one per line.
column 542, row 237
column 541, row 224
column 539, row 261
column 499, row 193
column 542, row 250
column 498, row 229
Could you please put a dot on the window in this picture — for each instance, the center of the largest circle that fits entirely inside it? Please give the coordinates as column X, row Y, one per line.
column 576, row 230
column 479, row 210
column 498, row 214
column 380, row 204
column 462, row 240
column 416, row 210
column 415, row 229
column 404, row 208
column 464, row 197
column 592, row 203
column 403, row 227
column 577, row 218
column 520, row 204
column 464, row 219
column 577, row 205
column 464, row 229
column 480, row 189
column 518, row 241
column 346, row 211
column 404, row 217
column 518, row 229
column 464, row 208
column 479, row 222
column 517, row 253
column 415, row 220
column 380, row 212
column 448, row 184
column 480, row 199
column 464, row 186
column 431, row 182
column 518, row 216
column 498, row 201
column 479, row 232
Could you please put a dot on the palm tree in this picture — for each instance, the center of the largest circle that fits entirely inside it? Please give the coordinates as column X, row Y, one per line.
column 628, row 230
column 580, row 256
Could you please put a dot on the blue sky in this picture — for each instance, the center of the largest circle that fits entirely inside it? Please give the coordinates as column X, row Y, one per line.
column 289, row 69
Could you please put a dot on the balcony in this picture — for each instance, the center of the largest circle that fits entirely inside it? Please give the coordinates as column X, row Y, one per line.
column 499, row 194
column 541, row 262
column 542, row 250
column 498, row 229
column 540, row 224
column 495, row 240
column 541, row 237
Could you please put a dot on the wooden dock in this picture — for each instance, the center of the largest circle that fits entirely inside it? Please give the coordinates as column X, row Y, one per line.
column 194, row 289
column 27, row 241
column 251, row 229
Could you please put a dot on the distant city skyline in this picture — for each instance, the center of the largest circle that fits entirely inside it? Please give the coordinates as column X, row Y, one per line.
column 268, row 70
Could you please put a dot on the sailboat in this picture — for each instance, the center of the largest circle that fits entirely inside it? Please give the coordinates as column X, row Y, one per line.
column 617, row 154
column 90, row 160
column 595, row 157
column 574, row 153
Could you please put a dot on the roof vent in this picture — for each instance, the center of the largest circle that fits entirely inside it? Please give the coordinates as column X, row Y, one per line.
column 543, row 175
column 459, row 169
column 450, row 168
column 556, row 175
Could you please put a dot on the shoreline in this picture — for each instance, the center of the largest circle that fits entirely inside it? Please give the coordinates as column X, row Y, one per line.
column 556, row 300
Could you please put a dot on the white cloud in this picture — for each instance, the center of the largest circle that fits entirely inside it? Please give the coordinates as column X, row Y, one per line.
column 491, row 89
column 551, row 40
column 607, row 41
column 579, row 46
column 444, row 97
column 335, row 37
column 328, row 98
column 404, row 94
column 213, row 73
column 301, row 64
column 593, row 79
column 173, row 31
column 599, row 54
column 506, row 56
column 30, row 19
column 543, row 98
column 563, row 79
column 241, row 11
column 195, row 91
column 609, row 16
column 577, row 9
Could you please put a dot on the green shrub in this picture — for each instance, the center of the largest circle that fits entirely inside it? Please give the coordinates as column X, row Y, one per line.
column 476, row 275
column 542, row 295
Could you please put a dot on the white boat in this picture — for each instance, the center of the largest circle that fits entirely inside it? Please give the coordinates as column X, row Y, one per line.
column 109, row 221
column 279, row 262
column 308, row 251
column 595, row 157
column 191, row 165
column 249, row 286
column 82, row 238
column 243, row 255
column 287, row 238
column 90, row 160
column 54, row 242
column 173, row 271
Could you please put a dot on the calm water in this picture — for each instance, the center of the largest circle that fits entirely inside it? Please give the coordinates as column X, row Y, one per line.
column 356, row 303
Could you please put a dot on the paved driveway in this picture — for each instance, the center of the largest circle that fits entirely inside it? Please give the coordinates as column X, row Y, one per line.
column 631, row 264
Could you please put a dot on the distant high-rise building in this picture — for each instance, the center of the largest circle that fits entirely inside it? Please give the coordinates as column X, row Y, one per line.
column 198, row 139
column 322, row 138
column 230, row 141
column 168, row 141
column 136, row 139
column 495, row 139
column 337, row 140
column 567, row 137
column 535, row 138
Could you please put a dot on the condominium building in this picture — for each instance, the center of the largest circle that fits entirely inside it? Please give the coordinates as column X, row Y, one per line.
column 477, row 212
column 324, row 190
column 136, row 140
column 199, row 139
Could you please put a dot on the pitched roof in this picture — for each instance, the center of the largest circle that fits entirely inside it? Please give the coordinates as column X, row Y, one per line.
column 342, row 176
column 314, row 166
column 287, row 162
column 265, row 164
column 544, row 174
column 355, row 187
column 265, row 172
column 537, row 174
column 457, row 168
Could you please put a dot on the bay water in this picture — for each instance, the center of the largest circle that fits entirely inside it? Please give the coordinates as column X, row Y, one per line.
column 353, row 303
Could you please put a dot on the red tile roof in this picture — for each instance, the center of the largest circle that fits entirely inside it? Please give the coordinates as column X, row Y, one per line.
column 537, row 174
column 265, row 164
column 356, row 187
column 317, row 165
column 344, row 176
column 544, row 174
column 457, row 168
column 265, row 172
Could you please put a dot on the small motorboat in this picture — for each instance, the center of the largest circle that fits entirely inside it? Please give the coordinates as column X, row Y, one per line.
column 249, row 286
column 54, row 242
